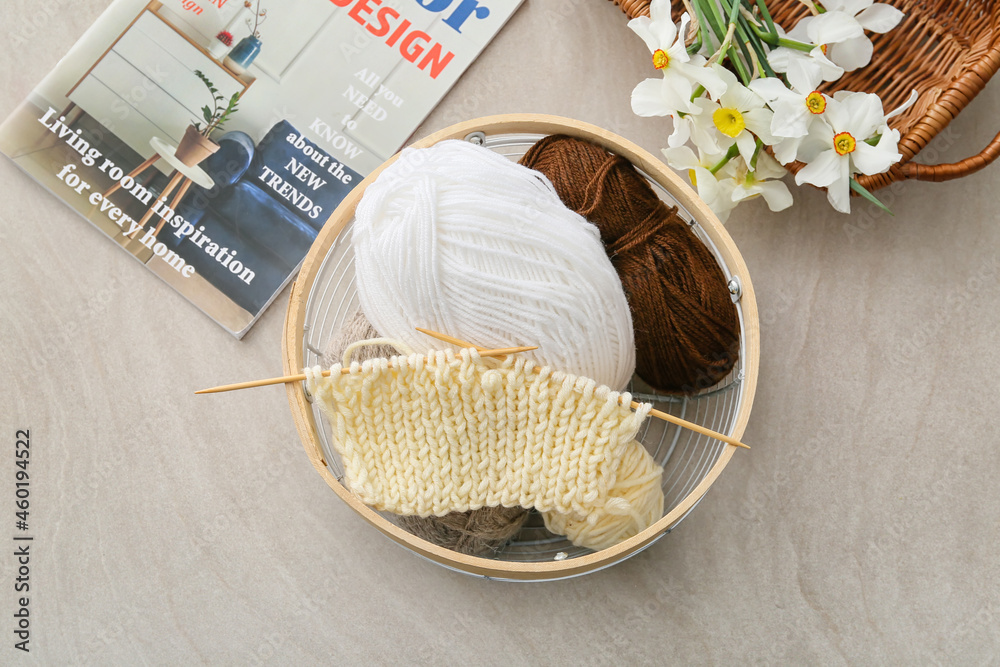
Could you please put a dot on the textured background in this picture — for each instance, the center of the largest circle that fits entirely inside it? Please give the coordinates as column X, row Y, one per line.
column 174, row 529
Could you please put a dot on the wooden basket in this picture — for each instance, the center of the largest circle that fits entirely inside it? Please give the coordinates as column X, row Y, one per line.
column 946, row 50
column 323, row 298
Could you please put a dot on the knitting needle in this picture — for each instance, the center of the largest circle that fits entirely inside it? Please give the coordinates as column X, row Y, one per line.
column 697, row 428
column 503, row 352
column 454, row 341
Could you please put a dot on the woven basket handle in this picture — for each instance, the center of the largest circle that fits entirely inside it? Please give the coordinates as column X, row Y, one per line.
column 634, row 8
column 946, row 172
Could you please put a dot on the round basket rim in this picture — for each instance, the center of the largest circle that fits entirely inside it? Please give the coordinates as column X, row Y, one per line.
column 293, row 355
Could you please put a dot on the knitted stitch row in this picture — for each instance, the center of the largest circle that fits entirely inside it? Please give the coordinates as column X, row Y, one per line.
column 427, row 435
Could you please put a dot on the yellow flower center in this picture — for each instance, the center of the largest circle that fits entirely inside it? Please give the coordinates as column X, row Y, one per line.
column 844, row 143
column 729, row 121
column 823, row 48
column 693, row 177
column 815, row 102
column 660, row 59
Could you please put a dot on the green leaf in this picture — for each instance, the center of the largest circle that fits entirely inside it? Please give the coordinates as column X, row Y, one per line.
column 860, row 189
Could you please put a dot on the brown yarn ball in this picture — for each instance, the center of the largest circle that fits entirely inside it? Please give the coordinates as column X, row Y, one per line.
column 473, row 533
column 685, row 322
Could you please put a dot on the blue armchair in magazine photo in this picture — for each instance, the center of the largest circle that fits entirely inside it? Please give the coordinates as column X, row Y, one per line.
column 267, row 206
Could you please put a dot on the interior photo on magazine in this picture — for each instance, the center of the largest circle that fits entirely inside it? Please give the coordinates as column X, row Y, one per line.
column 212, row 139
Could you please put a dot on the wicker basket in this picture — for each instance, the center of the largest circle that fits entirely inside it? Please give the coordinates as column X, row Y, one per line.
column 324, row 297
column 946, row 50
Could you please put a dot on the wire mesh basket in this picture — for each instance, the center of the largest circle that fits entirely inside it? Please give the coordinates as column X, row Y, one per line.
column 324, row 297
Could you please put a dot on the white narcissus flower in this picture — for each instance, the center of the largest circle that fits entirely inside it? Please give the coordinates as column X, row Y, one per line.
column 681, row 72
column 758, row 183
column 717, row 189
column 734, row 182
column 796, row 109
column 839, row 149
column 697, row 125
column 783, row 59
column 841, row 29
column 662, row 97
column 736, row 118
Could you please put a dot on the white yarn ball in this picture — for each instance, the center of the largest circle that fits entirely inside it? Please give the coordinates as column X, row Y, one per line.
column 458, row 239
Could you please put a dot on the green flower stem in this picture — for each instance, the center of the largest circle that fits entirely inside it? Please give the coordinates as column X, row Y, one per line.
column 696, row 44
column 751, row 38
column 727, row 50
column 723, row 49
column 797, row 45
column 766, row 15
column 746, row 57
column 741, row 66
column 705, row 34
column 734, row 11
column 715, row 16
column 756, row 153
column 775, row 40
column 733, row 151
column 705, row 20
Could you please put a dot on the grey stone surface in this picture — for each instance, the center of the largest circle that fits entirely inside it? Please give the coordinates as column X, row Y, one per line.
column 174, row 529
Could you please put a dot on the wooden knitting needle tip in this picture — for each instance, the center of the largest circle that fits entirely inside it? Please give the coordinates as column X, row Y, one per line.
column 344, row 371
column 697, row 428
column 459, row 342
column 449, row 339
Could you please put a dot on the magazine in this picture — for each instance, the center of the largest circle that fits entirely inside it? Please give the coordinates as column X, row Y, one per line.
column 212, row 139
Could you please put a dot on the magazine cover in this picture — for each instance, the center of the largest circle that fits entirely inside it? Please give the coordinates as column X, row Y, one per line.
column 212, row 139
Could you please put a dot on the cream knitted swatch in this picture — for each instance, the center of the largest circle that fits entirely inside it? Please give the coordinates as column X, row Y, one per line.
column 457, row 238
column 427, row 435
column 476, row 532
